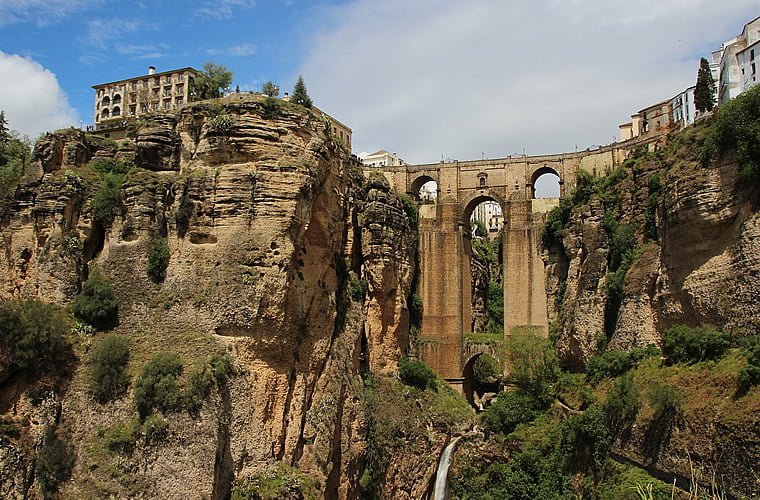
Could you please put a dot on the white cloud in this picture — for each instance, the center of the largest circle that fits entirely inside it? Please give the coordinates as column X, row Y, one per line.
column 242, row 50
column 40, row 12
column 223, row 9
column 31, row 97
column 468, row 77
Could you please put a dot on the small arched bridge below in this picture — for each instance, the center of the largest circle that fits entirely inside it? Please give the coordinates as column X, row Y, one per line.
column 445, row 241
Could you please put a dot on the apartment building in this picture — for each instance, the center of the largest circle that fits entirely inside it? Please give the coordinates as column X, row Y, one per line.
column 736, row 62
column 682, row 106
column 116, row 101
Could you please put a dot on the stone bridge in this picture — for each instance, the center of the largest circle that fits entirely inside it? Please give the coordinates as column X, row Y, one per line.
column 445, row 242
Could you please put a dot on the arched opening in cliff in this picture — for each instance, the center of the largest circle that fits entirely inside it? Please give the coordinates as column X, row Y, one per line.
column 483, row 224
column 545, row 183
column 425, row 189
column 482, row 378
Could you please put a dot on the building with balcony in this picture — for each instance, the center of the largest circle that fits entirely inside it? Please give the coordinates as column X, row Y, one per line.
column 116, row 101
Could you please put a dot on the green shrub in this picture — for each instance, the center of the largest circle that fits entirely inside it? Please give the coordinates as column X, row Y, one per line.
column 184, row 214
column 737, row 127
column 221, row 367
column 107, row 200
column 283, row 482
column 122, row 437
column 157, row 387
column 622, row 403
column 199, row 386
column 414, row 373
column 221, row 124
column 684, row 344
column 666, row 402
column 154, row 429
column 510, row 409
column 109, row 362
column 487, row 370
column 749, row 376
column 54, row 462
column 32, row 336
column 533, row 366
column 615, row 363
column 158, row 259
column 415, row 310
column 270, row 107
column 495, row 307
column 411, row 210
column 96, row 304
column 357, row 289
column 217, row 369
column 556, row 220
column 586, row 440
column 110, row 166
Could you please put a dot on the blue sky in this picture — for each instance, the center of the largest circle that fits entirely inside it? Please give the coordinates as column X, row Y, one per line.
column 86, row 43
column 424, row 78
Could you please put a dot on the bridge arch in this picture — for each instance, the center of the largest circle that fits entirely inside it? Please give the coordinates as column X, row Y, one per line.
column 472, row 392
column 475, row 199
column 416, row 185
column 542, row 172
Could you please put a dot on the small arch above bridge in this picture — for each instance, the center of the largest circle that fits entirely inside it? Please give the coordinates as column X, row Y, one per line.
column 538, row 182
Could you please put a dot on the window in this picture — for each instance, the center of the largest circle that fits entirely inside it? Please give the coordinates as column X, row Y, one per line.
column 752, row 55
column 180, row 78
column 180, row 89
column 134, row 85
column 178, row 101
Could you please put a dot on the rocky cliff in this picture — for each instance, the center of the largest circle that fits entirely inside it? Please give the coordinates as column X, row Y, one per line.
column 666, row 239
column 269, row 230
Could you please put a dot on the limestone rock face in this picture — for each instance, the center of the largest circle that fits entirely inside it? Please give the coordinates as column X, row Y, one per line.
column 256, row 208
column 584, row 299
column 389, row 248
column 702, row 269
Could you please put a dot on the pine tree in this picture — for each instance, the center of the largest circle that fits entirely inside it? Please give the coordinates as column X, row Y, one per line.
column 705, row 89
column 299, row 94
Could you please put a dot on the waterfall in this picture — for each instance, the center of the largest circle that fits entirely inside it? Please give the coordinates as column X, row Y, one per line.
column 442, row 474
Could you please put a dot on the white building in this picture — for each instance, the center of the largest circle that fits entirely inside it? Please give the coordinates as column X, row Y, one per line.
column 736, row 62
column 747, row 59
column 490, row 214
column 682, row 106
column 381, row 158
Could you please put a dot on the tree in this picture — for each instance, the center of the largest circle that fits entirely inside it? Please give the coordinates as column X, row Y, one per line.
column 213, row 81
column 96, row 304
column 300, row 96
column 109, row 364
column 705, row 90
column 270, row 89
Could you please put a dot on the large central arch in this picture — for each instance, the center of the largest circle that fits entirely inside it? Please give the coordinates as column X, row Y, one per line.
column 444, row 230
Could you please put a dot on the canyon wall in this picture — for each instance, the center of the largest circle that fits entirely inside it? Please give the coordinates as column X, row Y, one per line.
column 270, row 229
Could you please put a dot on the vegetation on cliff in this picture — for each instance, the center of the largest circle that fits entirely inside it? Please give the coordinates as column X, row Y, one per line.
column 405, row 419
column 15, row 154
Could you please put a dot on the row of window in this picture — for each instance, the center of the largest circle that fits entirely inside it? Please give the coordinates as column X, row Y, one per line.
column 144, row 84
column 144, row 108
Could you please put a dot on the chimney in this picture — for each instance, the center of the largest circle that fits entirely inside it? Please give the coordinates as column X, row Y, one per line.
column 151, row 70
